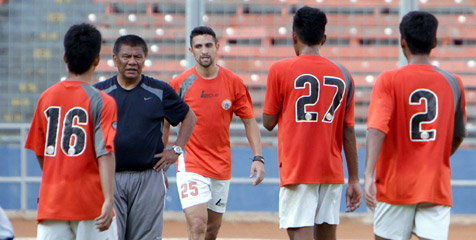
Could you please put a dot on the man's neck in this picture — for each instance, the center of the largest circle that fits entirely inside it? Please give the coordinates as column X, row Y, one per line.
column 310, row 50
column 127, row 83
column 209, row 72
column 423, row 59
column 86, row 77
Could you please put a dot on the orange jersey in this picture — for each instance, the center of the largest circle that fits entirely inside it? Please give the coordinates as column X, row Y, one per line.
column 214, row 101
column 313, row 98
column 419, row 108
column 72, row 127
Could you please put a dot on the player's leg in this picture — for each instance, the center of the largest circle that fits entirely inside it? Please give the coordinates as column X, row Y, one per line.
column 298, row 209
column 194, row 193
column 213, row 224
column 327, row 217
column 393, row 221
column 197, row 218
column 432, row 221
column 121, row 181
column 54, row 229
column 86, row 230
column 217, row 206
column 146, row 205
column 325, row 231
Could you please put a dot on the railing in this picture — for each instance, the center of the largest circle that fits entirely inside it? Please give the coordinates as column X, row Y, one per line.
column 14, row 134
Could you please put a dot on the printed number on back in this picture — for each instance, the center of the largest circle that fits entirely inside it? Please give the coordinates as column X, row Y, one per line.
column 312, row 84
column 418, row 133
column 190, row 188
column 73, row 135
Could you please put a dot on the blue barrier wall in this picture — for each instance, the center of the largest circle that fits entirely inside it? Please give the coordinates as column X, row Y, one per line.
column 243, row 196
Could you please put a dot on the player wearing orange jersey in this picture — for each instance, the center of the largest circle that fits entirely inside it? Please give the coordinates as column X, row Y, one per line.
column 203, row 174
column 416, row 122
column 72, row 135
column 311, row 99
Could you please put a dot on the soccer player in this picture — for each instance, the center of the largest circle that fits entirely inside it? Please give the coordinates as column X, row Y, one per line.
column 203, row 174
column 416, row 122
column 72, row 134
column 311, row 98
column 143, row 103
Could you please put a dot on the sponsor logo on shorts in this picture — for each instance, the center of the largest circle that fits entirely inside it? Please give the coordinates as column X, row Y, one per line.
column 226, row 104
column 219, row 203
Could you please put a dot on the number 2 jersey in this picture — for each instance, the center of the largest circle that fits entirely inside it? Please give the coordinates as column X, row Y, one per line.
column 419, row 108
column 313, row 98
column 72, row 127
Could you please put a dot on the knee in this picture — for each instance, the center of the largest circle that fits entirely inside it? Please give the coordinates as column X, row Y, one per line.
column 198, row 225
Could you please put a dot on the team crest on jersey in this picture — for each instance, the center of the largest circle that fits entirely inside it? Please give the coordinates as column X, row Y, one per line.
column 226, row 104
column 114, row 125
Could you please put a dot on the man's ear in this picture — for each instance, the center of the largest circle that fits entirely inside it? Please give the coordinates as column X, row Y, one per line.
column 96, row 61
column 403, row 43
column 295, row 37
column 64, row 58
column 324, row 38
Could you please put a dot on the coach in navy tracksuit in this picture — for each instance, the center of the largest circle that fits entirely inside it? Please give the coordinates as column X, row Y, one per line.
column 142, row 105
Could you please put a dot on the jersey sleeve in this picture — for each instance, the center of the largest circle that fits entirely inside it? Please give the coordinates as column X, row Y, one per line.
column 174, row 107
column 381, row 104
column 460, row 112
column 273, row 100
column 109, row 123
column 242, row 105
column 37, row 134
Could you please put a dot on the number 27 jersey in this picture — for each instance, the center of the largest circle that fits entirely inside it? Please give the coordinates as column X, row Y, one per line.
column 313, row 98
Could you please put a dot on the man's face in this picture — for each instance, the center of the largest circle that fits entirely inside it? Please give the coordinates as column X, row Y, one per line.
column 204, row 50
column 130, row 61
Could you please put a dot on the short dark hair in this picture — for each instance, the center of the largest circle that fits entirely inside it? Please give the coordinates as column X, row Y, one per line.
column 129, row 40
column 82, row 44
column 202, row 30
column 418, row 28
column 309, row 24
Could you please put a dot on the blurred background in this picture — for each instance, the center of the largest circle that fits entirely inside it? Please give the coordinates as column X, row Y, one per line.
column 361, row 34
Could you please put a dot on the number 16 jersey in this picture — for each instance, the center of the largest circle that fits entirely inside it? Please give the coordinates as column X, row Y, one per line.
column 313, row 98
column 71, row 129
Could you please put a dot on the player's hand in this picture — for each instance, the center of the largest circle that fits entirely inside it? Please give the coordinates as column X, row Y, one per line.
column 104, row 221
column 165, row 159
column 353, row 196
column 370, row 193
column 258, row 168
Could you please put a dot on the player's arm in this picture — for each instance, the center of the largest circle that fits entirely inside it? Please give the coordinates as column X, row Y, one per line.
column 168, row 156
column 166, row 133
column 353, row 194
column 254, row 138
column 374, row 143
column 456, row 143
column 270, row 121
column 40, row 161
column 107, row 168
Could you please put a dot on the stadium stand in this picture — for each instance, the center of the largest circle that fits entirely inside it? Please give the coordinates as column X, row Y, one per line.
column 362, row 35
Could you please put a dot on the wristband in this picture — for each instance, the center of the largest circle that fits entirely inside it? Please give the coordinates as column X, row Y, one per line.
column 258, row 158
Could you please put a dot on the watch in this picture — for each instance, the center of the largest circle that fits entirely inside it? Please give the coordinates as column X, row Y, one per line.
column 177, row 149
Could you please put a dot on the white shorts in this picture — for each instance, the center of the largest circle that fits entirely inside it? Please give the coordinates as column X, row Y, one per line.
column 304, row 205
column 400, row 221
column 196, row 189
column 74, row 230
